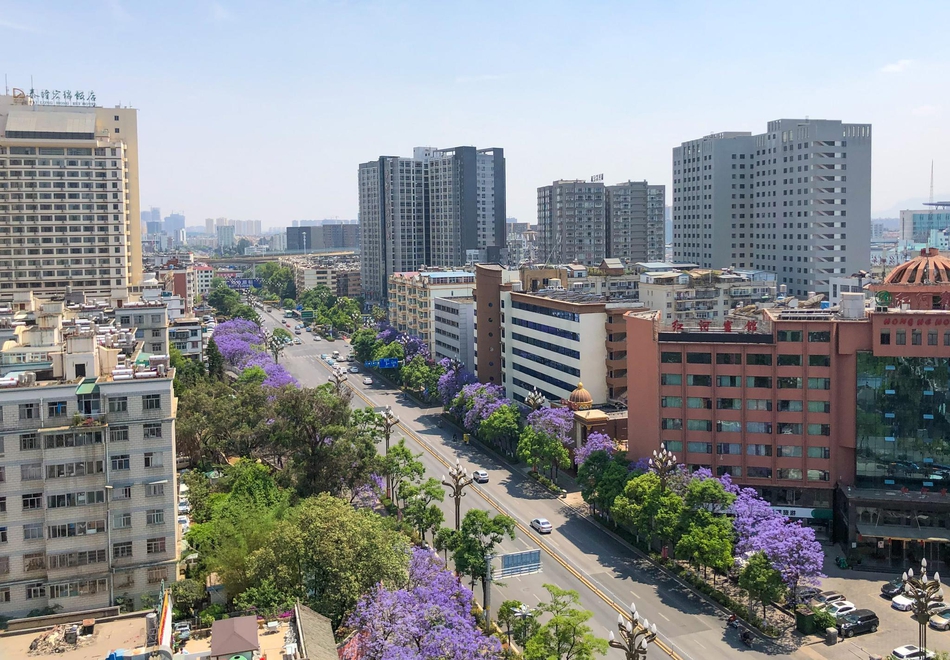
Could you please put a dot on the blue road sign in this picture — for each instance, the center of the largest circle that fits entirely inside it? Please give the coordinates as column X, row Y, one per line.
column 520, row 563
column 389, row 363
column 371, row 363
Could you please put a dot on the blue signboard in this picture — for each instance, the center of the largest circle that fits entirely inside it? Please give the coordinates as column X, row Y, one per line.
column 243, row 283
column 389, row 363
column 371, row 363
column 520, row 563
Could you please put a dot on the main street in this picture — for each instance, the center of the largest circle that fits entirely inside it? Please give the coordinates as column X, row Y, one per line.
column 578, row 554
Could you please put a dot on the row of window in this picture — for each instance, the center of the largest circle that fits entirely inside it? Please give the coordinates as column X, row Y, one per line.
column 551, row 330
column 758, row 359
column 59, row 408
column 547, row 362
column 916, row 337
column 783, row 383
column 725, row 403
column 732, row 426
column 546, row 345
column 735, row 449
column 546, row 311
column 83, row 587
column 557, row 382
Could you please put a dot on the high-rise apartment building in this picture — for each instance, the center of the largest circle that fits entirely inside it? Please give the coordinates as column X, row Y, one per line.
column 434, row 209
column 69, row 198
column 795, row 200
column 587, row 221
column 225, row 235
column 209, row 226
column 174, row 223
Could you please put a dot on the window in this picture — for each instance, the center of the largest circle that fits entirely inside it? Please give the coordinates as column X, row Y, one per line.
column 33, row 531
column 759, row 381
column 56, row 408
column 819, row 383
column 787, row 360
column 788, row 451
column 153, row 459
column 3, row 534
column 35, row 590
column 152, row 402
column 794, row 474
column 29, row 442
column 724, row 448
column 699, row 425
column 34, row 561
column 699, row 358
column 673, row 445
column 946, row 338
column 759, row 450
column 729, row 381
column 152, row 430
column 819, row 336
column 785, row 405
column 155, row 517
column 758, row 404
column 32, row 501
column 3, row 504
column 700, row 402
column 728, row 404
column 120, row 462
column 699, row 380
column 819, row 406
column 28, row 411
column 759, row 473
column 31, row 472
column 789, row 428
column 758, row 427
column 156, row 574
column 819, row 452
column 122, row 493
column 789, row 335
column 119, row 434
column 731, row 470
column 670, row 357
column 699, row 447
column 671, row 379
column 818, row 475
column 122, row 550
column 4, row 594
column 819, row 429
column 819, row 360
column 931, row 337
column 671, row 402
column 759, row 359
column 119, row 404
column 154, row 490
column 728, row 358
column 901, row 337
column 671, row 424
column 121, row 520
column 155, row 546
column 790, row 383
column 5, row 565
column 886, row 338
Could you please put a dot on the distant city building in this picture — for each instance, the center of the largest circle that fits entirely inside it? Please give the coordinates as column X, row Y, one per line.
column 209, row 226
column 434, row 209
column 917, row 225
column 225, row 235
column 323, row 237
column 794, row 200
column 277, row 242
column 320, row 223
column 174, row 223
column 153, row 228
column 877, row 231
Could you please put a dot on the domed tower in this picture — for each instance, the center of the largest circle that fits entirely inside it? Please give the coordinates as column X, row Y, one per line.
column 923, row 283
column 580, row 398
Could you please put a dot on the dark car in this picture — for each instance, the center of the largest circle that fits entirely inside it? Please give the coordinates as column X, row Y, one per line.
column 857, row 622
column 892, row 588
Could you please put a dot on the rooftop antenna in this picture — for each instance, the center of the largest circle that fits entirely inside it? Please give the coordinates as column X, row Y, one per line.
column 6, row 88
column 930, row 214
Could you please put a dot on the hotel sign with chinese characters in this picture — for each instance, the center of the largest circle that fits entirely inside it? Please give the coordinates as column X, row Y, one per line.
column 73, row 98
column 750, row 326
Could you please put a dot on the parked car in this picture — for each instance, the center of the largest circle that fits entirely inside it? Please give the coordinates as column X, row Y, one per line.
column 541, row 526
column 826, row 598
column 184, row 507
column 367, row 380
column 893, row 588
column 296, row 332
column 324, row 356
column 857, row 622
column 840, row 608
column 911, row 652
column 805, row 594
column 480, row 477
column 902, row 602
column 935, row 606
column 940, row 620
column 183, row 630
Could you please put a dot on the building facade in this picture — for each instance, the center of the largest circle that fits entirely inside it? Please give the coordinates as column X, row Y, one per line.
column 916, row 226
column 702, row 294
column 453, row 326
column 69, row 198
column 412, row 298
column 226, row 236
column 88, row 504
column 794, row 201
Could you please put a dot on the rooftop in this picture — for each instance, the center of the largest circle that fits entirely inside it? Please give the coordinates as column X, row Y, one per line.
column 109, row 636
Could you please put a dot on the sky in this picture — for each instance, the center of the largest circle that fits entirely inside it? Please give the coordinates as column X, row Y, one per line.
column 263, row 110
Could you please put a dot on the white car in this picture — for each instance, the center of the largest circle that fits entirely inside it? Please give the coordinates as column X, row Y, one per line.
column 367, row 380
column 541, row 526
column 840, row 608
column 354, row 370
column 911, row 652
column 902, row 602
column 184, row 507
column 480, row 477
column 182, row 520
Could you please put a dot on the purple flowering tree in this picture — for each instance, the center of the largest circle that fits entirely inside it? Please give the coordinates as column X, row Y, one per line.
column 596, row 441
column 429, row 618
column 557, row 423
column 413, row 346
column 476, row 402
column 452, row 381
column 751, row 514
column 387, row 334
column 241, row 344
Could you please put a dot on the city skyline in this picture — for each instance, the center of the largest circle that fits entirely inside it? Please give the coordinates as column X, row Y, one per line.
column 190, row 73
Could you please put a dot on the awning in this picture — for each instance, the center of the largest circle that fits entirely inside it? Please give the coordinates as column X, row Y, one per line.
column 88, row 386
column 932, row 534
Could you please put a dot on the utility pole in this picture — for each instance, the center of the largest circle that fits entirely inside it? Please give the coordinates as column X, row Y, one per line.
column 390, row 420
column 487, row 583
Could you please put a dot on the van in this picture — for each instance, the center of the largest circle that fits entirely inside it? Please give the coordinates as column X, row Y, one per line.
column 858, row 621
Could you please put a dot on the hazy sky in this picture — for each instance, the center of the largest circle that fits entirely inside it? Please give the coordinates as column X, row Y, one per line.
column 264, row 109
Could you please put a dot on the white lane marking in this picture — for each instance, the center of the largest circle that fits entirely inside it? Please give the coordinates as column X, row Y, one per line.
column 662, row 615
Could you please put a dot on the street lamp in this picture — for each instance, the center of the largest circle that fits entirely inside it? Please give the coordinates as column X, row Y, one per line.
column 524, row 612
column 339, row 378
column 635, row 634
column 922, row 591
column 535, row 400
column 664, row 463
column 459, row 480
column 390, row 420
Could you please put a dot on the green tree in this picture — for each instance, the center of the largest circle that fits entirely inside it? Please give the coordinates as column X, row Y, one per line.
column 479, row 534
column 403, row 467
column 502, row 427
column 540, row 449
column 187, row 371
column 601, row 479
column 223, row 299
column 246, row 312
column 446, row 540
column 421, row 509
column 363, row 342
column 507, row 616
column 378, row 314
column 415, row 374
column 255, row 375
column 215, row 360
column 649, row 509
column 763, row 582
column 707, row 545
column 566, row 635
column 188, row 595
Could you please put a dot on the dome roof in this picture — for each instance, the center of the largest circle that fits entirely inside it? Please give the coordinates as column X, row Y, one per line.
column 580, row 396
column 930, row 267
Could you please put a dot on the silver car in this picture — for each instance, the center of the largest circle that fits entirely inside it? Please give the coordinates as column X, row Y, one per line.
column 541, row 526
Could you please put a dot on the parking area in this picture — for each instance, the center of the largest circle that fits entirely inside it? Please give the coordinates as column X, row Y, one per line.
column 896, row 629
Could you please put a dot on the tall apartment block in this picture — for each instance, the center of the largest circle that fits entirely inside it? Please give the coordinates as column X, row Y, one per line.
column 87, row 459
column 69, row 198
column 438, row 208
column 587, row 222
column 795, row 200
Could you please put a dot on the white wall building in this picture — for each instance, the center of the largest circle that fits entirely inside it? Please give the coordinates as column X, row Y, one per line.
column 453, row 323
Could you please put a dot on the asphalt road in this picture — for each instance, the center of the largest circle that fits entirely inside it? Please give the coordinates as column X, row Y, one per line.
column 578, row 554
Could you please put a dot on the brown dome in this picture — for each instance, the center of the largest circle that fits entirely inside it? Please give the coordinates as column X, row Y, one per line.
column 580, row 397
column 930, row 267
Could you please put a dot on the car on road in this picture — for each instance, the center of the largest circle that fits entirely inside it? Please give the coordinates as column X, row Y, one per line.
column 940, row 620
column 840, row 608
column 893, row 588
column 902, row 602
column 296, row 332
column 297, row 341
column 354, row 370
column 480, row 477
column 324, row 356
column 331, row 361
column 805, row 594
column 541, row 526
column 367, row 380
column 827, row 597
column 911, row 652
column 183, row 630
column 857, row 622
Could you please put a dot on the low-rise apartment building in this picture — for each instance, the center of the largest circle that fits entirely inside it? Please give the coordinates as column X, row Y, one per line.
column 412, row 299
column 454, row 325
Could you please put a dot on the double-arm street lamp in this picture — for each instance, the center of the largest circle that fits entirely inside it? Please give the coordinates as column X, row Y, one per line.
column 458, row 480
column 390, row 420
column 523, row 612
column 635, row 634
column 922, row 591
